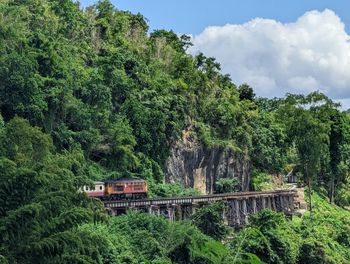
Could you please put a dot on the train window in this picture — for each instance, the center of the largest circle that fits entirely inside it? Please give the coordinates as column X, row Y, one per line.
column 119, row 188
column 86, row 188
column 100, row 187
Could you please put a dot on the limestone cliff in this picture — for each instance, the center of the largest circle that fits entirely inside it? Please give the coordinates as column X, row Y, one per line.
column 197, row 166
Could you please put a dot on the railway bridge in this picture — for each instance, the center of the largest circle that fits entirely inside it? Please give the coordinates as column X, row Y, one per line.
column 238, row 205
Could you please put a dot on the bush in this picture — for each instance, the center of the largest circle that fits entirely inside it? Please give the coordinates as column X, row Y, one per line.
column 153, row 239
column 252, row 242
column 283, row 239
column 226, row 185
column 171, row 190
column 260, row 181
column 313, row 252
column 209, row 220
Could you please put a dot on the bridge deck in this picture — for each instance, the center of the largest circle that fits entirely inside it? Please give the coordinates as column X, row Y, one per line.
column 197, row 199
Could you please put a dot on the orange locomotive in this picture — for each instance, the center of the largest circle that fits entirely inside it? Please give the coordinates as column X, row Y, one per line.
column 118, row 189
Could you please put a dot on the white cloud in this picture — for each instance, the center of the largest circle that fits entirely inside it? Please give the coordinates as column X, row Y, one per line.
column 344, row 102
column 310, row 54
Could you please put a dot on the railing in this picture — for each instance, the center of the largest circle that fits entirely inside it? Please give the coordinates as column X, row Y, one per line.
column 204, row 199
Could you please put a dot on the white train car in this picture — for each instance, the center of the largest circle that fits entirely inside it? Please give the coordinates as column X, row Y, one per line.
column 98, row 190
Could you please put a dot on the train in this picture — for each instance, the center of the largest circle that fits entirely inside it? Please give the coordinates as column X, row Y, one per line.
column 120, row 189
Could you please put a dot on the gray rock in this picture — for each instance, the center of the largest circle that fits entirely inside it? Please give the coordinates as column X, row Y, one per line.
column 194, row 165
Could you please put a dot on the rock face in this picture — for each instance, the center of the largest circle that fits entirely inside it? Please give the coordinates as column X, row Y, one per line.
column 196, row 166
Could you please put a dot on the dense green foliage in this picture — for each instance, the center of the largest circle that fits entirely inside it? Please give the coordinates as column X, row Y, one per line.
column 95, row 81
column 320, row 237
column 89, row 94
column 226, row 185
column 40, row 207
column 141, row 238
column 209, row 220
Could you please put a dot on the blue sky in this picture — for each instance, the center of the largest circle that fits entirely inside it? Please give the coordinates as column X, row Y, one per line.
column 277, row 47
column 192, row 16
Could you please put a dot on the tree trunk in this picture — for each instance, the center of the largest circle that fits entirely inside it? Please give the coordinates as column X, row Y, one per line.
column 310, row 196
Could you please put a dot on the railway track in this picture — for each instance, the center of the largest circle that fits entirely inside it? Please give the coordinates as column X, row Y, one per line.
column 203, row 199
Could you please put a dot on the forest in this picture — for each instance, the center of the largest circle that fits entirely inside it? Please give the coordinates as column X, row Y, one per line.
column 91, row 94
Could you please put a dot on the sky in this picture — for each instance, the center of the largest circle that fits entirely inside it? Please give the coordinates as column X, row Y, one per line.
column 277, row 47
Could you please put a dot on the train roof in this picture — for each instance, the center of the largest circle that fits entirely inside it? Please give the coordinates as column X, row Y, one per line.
column 124, row 180
column 99, row 182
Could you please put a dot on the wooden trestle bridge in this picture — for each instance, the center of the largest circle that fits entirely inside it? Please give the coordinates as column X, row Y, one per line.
column 238, row 205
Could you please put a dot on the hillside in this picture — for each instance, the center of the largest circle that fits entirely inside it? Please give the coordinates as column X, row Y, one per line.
column 90, row 95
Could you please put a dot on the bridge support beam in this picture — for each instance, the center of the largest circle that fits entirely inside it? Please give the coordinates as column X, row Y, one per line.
column 263, row 203
column 187, row 211
column 171, row 212
column 239, row 205
column 245, row 212
column 154, row 210
column 254, row 208
column 237, row 212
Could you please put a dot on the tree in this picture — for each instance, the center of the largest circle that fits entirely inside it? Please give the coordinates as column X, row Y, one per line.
column 210, row 221
column 24, row 144
column 307, row 120
column 171, row 38
column 122, row 142
column 339, row 150
column 40, row 207
column 310, row 140
column 269, row 143
column 246, row 92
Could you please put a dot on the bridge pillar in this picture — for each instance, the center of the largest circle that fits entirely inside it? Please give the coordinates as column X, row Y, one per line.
column 290, row 203
column 229, row 212
column 258, row 203
column 280, row 205
column 171, row 212
column 187, row 211
column 153, row 209
column 274, row 203
column 263, row 203
column 269, row 202
column 245, row 211
column 237, row 213
column 178, row 212
column 254, row 209
column 285, row 204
